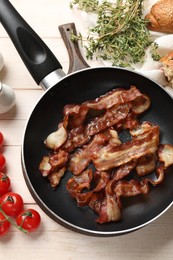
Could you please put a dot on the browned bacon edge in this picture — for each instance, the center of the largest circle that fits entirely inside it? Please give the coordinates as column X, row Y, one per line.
column 125, row 152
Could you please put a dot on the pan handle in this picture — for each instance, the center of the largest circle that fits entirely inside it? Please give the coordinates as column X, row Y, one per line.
column 36, row 55
column 77, row 61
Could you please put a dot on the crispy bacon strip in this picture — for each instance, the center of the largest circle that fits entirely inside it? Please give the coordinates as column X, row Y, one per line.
column 56, row 139
column 140, row 104
column 146, row 164
column 165, row 154
column 81, row 135
column 109, row 210
column 125, row 152
column 56, row 176
column 84, row 199
column 123, row 170
column 141, row 128
column 114, row 97
column 77, row 113
column 110, row 206
column 76, row 138
column 82, row 157
column 58, row 159
column 110, row 118
column 77, row 183
column 53, row 162
column 44, row 166
column 130, row 188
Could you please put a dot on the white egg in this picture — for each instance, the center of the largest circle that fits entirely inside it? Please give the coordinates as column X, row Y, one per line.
column 1, row 62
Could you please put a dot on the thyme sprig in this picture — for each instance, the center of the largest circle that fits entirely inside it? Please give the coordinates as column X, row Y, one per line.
column 120, row 34
column 86, row 5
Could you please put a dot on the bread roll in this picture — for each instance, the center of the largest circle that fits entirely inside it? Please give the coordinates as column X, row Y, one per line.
column 167, row 62
column 161, row 17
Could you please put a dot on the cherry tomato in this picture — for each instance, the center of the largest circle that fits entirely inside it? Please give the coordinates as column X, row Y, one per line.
column 4, row 225
column 28, row 219
column 11, row 203
column 2, row 162
column 5, row 183
column 1, row 139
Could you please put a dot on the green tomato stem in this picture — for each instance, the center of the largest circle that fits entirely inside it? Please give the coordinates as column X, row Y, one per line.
column 12, row 222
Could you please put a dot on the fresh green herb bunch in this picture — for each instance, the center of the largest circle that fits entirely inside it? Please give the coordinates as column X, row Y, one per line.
column 86, row 5
column 120, row 34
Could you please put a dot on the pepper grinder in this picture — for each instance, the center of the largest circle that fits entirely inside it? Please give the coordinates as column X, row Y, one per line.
column 7, row 98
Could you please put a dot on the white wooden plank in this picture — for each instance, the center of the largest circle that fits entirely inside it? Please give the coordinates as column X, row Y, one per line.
column 24, row 104
column 13, row 131
column 151, row 242
column 44, row 16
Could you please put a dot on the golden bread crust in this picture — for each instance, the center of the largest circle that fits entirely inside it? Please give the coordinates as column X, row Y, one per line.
column 161, row 17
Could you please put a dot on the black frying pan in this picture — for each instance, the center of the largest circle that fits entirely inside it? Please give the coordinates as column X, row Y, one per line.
column 75, row 88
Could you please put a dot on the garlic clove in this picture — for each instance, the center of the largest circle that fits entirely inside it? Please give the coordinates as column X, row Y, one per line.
column 7, row 98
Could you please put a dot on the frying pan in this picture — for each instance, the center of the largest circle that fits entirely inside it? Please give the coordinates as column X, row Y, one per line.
column 77, row 87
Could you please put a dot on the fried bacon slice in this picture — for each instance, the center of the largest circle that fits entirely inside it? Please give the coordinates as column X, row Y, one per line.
column 130, row 188
column 146, row 164
column 82, row 156
column 110, row 118
column 114, row 97
column 165, row 154
column 125, row 152
column 56, row 139
column 109, row 210
column 123, row 170
column 77, row 183
column 58, row 159
column 55, row 177
column 140, row 104
column 76, row 138
column 84, row 198
column 141, row 128
column 45, row 166
column 77, row 113
column 53, row 162
column 81, row 135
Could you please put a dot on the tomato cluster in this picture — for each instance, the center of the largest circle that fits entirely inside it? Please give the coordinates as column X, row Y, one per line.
column 12, row 210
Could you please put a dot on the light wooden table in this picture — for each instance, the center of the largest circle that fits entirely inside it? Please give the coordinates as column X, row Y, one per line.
column 53, row 241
